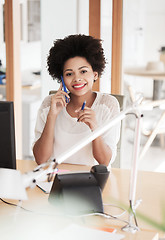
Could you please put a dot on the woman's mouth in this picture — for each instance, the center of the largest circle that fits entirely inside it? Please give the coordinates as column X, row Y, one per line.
column 79, row 86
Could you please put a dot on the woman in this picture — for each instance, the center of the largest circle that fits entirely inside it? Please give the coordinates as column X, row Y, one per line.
column 78, row 60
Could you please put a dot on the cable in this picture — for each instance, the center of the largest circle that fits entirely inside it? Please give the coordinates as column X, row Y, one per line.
column 113, row 217
column 119, row 215
column 27, row 210
column 106, row 215
column 15, row 205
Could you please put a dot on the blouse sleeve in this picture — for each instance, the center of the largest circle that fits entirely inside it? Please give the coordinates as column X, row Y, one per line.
column 112, row 136
column 41, row 118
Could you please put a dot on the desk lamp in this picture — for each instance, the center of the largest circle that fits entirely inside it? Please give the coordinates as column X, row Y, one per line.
column 11, row 184
column 42, row 171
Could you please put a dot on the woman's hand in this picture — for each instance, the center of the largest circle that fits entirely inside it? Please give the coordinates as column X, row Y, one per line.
column 58, row 101
column 88, row 116
column 101, row 151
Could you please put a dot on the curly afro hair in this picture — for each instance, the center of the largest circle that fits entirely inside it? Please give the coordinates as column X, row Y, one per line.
column 72, row 46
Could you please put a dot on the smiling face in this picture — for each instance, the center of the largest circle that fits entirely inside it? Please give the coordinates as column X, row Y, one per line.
column 79, row 76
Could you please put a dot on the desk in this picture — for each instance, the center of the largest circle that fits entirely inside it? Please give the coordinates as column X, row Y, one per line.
column 158, row 79
column 150, row 188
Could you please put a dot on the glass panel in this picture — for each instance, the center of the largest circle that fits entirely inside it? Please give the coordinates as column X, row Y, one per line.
column 144, row 70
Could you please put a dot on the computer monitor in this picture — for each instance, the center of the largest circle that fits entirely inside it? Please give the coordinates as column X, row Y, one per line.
column 7, row 135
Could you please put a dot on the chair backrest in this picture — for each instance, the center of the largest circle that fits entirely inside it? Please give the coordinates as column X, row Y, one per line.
column 52, row 92
column 117, row 162
column 120, row 99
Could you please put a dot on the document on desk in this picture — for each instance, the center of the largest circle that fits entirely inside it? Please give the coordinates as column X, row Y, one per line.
column 45, row 186
column 74, row 232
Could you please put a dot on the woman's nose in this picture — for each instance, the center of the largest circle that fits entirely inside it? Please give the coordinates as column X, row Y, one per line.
column 77, row 78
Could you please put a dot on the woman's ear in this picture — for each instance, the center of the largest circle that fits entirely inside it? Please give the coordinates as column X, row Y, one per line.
column 95, row 76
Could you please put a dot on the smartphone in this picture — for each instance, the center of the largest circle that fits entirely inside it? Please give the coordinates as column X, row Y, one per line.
column 65, row 90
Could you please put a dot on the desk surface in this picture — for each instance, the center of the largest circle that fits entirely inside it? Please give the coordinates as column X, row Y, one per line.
column 141, row 72
column 150, row 189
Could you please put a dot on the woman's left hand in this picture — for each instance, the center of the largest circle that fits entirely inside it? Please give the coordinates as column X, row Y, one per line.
column 88, row 116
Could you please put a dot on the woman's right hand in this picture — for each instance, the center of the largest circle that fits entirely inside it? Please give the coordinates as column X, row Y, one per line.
column 58, row 101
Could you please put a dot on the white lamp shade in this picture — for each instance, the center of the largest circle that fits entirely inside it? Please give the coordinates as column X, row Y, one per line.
column 11, row 184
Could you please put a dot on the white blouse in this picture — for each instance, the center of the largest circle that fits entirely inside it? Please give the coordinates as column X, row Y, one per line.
column 68, row 131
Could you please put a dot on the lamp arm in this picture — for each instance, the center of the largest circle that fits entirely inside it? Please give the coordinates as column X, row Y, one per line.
column 41, row 173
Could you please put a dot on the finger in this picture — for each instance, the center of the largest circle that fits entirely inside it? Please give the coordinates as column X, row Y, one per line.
column 86, row 112
column 61, row 92
column 89, row 122
column 58, row 98
column 60, row 88
column 61, row 98
column 80, row 109
column 83, row 117
column 60, row 103
column 56, row 106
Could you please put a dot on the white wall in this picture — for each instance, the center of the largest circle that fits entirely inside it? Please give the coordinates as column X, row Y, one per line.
column 83, row 16
column 154, row 26
column 59, row 19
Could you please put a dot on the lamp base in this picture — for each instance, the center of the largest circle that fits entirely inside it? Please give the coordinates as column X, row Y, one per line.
column 130, row 228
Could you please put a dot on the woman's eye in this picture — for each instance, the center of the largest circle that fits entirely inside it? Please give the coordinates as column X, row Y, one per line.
column 68, row 74
column 83, row 71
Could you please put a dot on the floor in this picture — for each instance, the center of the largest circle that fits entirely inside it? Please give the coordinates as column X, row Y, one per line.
column 154, row 159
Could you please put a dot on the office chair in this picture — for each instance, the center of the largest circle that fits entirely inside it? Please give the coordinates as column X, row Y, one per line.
column 117, row 162
column 153, row 122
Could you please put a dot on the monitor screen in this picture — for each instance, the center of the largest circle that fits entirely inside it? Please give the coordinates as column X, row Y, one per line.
column 7, row 135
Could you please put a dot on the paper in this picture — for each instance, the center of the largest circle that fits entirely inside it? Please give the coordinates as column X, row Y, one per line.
column 45, row 186
column 106, row 229
column 74, row 232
